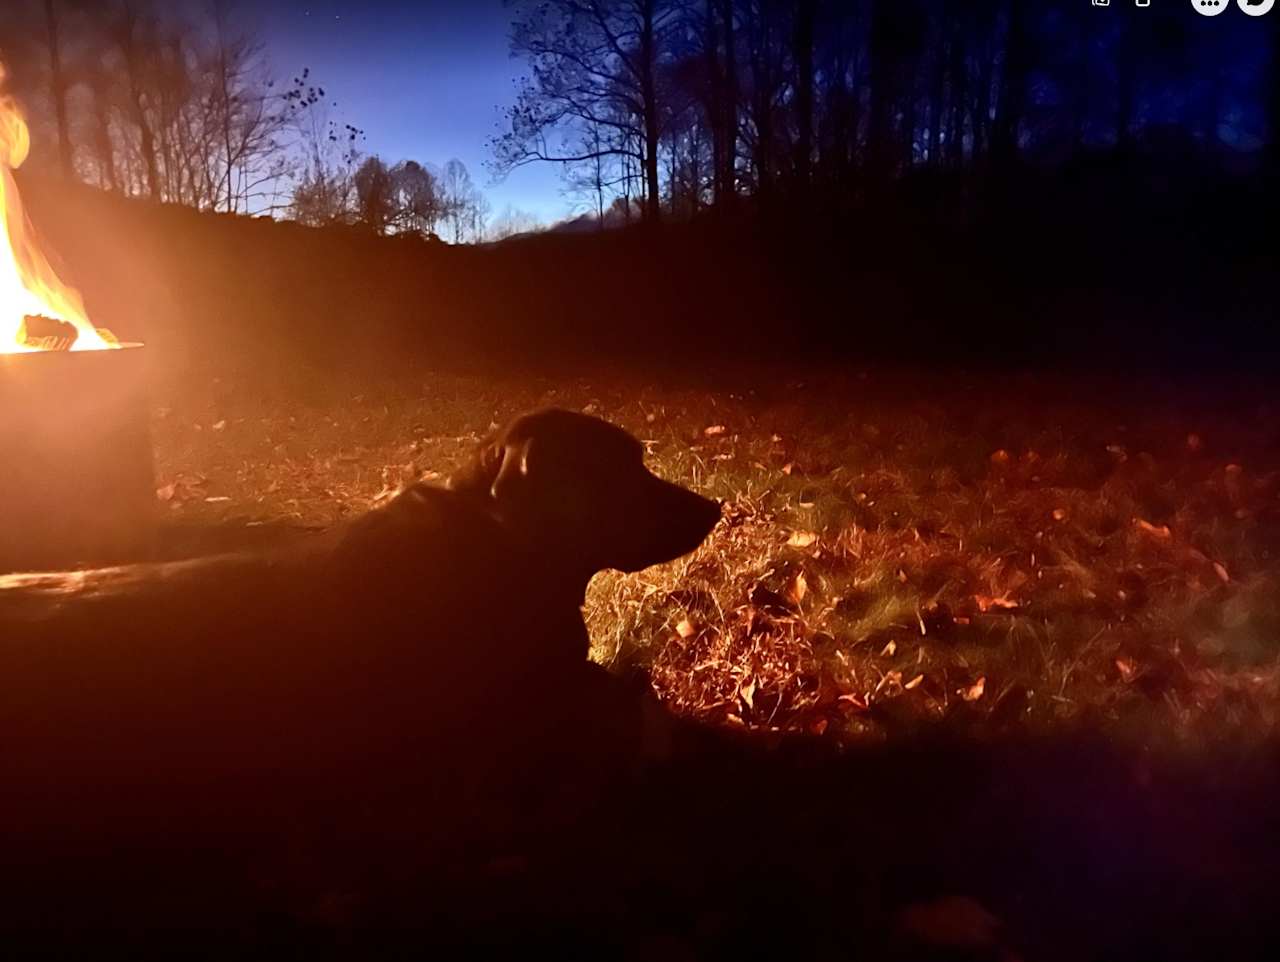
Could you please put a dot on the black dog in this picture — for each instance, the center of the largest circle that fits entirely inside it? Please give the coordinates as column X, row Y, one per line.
column 370, row 659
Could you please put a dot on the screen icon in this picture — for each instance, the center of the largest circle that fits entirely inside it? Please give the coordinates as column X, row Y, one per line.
column 1143, row 3
column 1210, row 8
column 1256, row 8
column 1102, row 3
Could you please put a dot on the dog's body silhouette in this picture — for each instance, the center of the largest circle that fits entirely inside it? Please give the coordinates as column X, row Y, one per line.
column 368, row 661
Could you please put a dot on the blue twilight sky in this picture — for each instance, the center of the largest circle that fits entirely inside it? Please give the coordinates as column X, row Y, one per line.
column 425, row 79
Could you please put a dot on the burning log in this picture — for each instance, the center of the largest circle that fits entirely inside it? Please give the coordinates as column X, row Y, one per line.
column 40, row 333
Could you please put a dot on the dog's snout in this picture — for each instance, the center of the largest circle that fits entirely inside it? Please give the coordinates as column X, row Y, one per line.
column 692, row 515
column 711, row 511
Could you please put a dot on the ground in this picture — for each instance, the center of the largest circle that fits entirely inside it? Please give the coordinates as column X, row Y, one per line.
column 899, row 550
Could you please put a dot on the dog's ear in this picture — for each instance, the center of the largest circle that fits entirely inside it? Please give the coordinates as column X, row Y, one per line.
column 513, row 471
column 477, row 477
column 496, row 471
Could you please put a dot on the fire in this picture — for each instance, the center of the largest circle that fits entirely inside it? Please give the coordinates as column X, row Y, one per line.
column 29, row 287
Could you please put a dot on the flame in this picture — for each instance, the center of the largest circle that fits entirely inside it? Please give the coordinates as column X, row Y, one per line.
column 28, row 284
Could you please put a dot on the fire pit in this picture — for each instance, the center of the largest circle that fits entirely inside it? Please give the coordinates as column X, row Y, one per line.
column 76, row 480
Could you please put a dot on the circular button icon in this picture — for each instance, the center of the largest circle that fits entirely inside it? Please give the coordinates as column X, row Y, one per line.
column 1211, row 8
column 1256, row 8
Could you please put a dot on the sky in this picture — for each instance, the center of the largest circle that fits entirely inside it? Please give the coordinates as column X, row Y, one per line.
column 425, row 80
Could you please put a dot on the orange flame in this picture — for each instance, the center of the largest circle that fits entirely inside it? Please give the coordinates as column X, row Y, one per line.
column 28, row 284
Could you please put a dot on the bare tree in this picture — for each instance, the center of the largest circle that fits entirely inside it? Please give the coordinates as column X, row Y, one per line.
column 375, row 195
column 458, row 193
column 513, row 222
column 418, row 204
column 594, row 63
column 58, row 87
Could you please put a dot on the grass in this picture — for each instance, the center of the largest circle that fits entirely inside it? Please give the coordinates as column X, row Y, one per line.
column 899, row 550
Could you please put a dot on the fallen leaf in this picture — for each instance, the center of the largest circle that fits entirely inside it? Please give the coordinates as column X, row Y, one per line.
column 1128, row 669
column 1000, row 457
column 1221, row 570
column 889, row 650
column 974, row 691
column 802, row 539
column 788, row 468
column 914, row 682
column 218, row 425
column 892, row 679
column 686, row 629
column 818, row 727
column 1059, row 514
column 715, row 431
column 987, row 603
column 798, row 588
column 747, row 693
column 1156, row 531
column 218, row 499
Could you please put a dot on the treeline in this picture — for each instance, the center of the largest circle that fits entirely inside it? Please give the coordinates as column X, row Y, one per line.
column 176, row 103
column 684, row 104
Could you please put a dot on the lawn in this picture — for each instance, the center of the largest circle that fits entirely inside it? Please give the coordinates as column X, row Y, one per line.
column 899, row 550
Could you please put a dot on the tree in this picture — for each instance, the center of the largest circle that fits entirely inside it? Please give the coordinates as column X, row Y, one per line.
column 512, row 222
column 460, row 200
column 249, row 118
column 328, row 151
column 375, row 190
column 478, row 214
column 58, row 86
column 593, row 63
column 418, row 205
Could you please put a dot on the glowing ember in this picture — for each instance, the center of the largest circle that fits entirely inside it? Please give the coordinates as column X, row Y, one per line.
column 31, row 295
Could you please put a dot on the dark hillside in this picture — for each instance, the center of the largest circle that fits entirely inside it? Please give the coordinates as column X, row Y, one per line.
column 1099, row 278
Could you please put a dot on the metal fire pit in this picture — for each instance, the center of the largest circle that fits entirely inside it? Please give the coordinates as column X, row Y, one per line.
column 77, row 482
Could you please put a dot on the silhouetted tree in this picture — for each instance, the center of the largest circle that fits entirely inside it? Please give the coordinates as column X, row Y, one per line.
column 592, row 63
column 375, row 195
column 512, row 222
column 418, row 204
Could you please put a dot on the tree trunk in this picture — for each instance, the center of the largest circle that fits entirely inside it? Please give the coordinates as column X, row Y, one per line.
column 102, row 145
column 58, row 91
column 880, row 134
column 1013, row 89
column 649, row 100
column 959, row 95
column 714, row 88
column 806, row 13
column 146, row 137
column 761, row 107
column 938, row 94
column 729, row 107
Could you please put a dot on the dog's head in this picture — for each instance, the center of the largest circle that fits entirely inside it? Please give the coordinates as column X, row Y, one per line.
column 577, row 489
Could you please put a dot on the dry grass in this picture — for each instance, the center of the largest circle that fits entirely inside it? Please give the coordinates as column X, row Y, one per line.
column 896, row 552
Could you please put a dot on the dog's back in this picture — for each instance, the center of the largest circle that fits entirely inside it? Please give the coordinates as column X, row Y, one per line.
column 159, row 690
